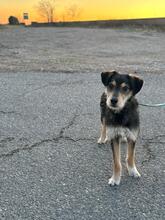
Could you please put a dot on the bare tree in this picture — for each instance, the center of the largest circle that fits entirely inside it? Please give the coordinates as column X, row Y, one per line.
column 73, row 12
column 46, row 9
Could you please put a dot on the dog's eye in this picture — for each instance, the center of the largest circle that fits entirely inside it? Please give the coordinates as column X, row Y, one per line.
column 125, row 89
column 111, row 86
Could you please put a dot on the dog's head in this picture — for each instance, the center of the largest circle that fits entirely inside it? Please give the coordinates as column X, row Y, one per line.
column 120, row 88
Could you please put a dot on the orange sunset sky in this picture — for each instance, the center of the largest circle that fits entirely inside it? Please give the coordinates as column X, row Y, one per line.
column 89, row 9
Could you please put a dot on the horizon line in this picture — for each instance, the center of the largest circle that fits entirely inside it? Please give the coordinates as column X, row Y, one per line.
column 114, row 19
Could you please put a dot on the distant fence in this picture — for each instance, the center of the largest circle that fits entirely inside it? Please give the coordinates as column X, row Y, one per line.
column 155, row 22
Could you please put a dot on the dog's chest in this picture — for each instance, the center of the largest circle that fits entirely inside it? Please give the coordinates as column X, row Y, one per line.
column 117, row 119
column 122, row 132
column 120, row 125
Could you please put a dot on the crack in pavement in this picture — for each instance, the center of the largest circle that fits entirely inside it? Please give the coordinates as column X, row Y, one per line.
column 153, row 140
column 9, row 112
column 37, row 144
column 156, row 142
column 5, row 140
column 146, row 145
column 79, row 139
column 149, row 153
column 64, row 82
column 32, row 90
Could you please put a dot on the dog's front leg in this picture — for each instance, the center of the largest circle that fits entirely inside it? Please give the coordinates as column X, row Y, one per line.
column 115, row 179
column 130, row 161
column 103, row 136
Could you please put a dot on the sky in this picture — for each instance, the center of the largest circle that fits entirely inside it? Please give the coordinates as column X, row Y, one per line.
column 86, row 9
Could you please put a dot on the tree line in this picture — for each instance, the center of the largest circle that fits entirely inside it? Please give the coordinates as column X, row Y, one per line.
column 46, row 9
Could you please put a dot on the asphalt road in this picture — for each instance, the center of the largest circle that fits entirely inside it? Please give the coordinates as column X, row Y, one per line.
column 50, row 164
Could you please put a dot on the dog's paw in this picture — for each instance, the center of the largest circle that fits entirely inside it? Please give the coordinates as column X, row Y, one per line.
column 106, row 140
column 132, row 171
column 102, row 141
column 114, row 181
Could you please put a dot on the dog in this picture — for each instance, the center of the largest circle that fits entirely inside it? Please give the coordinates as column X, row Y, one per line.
column 120, row 119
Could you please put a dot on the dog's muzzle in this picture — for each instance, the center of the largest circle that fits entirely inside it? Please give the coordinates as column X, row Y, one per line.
column 114, row 101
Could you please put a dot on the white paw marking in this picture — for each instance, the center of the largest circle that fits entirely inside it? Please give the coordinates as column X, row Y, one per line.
column 114, row 180
column 132, row 171
column 102, row 141
column 106, row 140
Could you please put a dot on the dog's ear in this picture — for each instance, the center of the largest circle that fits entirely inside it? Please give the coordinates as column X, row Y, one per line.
column 106, row 76
column 136, row 82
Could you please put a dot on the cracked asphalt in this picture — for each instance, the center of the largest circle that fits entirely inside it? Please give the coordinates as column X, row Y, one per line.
column 50, row 164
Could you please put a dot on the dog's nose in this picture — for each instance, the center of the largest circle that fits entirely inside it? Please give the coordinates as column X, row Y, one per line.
column 114, row 101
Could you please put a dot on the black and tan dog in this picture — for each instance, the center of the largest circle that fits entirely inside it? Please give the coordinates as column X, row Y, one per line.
column 120, row 119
